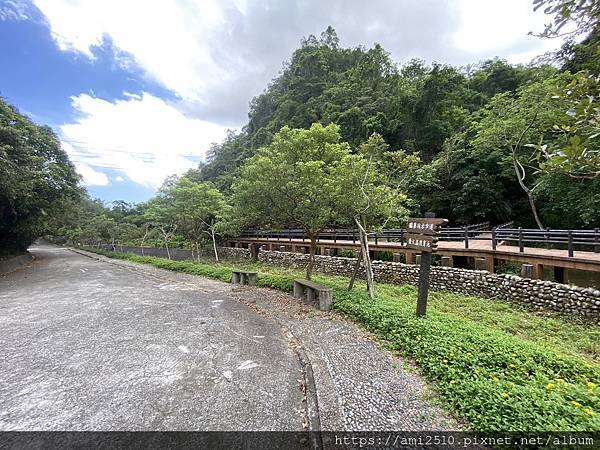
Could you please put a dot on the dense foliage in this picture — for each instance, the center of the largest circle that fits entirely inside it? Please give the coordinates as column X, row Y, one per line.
column 441, row 114
column 38, row 183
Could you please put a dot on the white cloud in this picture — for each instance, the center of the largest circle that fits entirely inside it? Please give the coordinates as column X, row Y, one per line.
column 490, row 28
column 217, row 54
column 119, row 179
column 141, row 136
column 167, row 38
column 12, row 10
column 90, row 176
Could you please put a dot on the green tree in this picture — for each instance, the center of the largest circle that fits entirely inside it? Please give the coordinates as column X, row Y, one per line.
column 294, row 182
column 574, row 149
column 159, row 213
column 199, row 208
column 581, row 15
column 376, row 177
column 36, row 180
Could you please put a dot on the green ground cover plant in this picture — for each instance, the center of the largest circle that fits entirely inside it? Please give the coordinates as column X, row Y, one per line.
column 496, row 366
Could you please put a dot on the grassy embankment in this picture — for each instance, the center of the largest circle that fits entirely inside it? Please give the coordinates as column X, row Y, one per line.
column 495, row 365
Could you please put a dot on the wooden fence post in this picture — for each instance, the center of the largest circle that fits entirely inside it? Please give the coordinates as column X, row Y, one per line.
column 570, row 243
column 521, row 240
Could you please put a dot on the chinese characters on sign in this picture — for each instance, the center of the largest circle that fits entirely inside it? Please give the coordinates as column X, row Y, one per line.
column 422, row 235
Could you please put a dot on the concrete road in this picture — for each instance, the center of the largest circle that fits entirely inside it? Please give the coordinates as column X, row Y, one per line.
column 89, row 345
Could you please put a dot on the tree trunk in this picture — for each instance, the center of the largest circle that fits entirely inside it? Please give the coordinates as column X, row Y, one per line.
column 356, row 269
column 144, row 240
column 311, row 258
column 534, row 210
column 167, row 246
column 364, row 245
column 214, row 241
column 520, row 172
column 197, row 251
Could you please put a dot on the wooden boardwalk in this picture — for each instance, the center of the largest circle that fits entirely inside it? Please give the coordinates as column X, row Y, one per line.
column 477, row 248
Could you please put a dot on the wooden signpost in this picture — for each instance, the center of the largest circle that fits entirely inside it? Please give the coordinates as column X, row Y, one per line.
column 422, row 235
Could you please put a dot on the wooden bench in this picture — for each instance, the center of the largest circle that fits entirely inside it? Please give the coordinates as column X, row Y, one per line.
column 312, row 291
column 243, row 277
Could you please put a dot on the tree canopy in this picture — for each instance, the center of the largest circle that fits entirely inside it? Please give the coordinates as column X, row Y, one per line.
column 38, row 183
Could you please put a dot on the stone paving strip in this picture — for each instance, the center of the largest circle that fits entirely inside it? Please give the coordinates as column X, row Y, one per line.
column 360, row 386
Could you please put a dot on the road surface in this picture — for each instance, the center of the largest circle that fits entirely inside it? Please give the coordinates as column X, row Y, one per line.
column 89, row 345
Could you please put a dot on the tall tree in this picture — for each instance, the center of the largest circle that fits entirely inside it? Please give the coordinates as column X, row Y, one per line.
column 199, row 209
column 36, row 179
column 294, row 182
column 376, row 178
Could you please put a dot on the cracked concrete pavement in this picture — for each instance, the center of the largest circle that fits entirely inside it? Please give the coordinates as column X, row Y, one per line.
column 87, row 345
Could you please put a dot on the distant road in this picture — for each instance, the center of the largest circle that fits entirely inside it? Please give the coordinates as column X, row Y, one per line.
column 89, row 345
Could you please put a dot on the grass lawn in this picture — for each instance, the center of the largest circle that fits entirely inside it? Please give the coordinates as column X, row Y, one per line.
column 495, row 365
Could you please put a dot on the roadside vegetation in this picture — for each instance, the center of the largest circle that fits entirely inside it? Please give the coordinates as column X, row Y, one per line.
column 346, row 137
column 496, row 366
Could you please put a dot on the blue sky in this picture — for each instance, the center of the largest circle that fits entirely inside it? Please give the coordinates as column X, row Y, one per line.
column 138, row 90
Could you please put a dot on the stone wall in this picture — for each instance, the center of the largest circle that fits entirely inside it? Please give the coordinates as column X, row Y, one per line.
column 536, row 293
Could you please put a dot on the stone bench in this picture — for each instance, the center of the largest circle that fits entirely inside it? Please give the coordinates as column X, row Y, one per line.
column 312, row 291
column 243, row 277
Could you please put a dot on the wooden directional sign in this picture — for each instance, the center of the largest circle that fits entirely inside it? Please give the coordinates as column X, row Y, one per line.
column 422, row 233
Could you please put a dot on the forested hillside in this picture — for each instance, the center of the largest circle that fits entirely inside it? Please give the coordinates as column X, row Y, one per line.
column 461, row 122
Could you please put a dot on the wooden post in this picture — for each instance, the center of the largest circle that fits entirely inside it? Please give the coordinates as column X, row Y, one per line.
column 559, row 274
column 409, row 258
column 466, row 234
column 527, row 271
column 480, row 264
column 494, row 243
column 596, row 240
column 490, row 263
column 570, row 243
column 423, row 284
column 521, row 240
column 538, row 271
column 418, row 259
column 424, row 269
column 447, row 261
column 254, row 251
